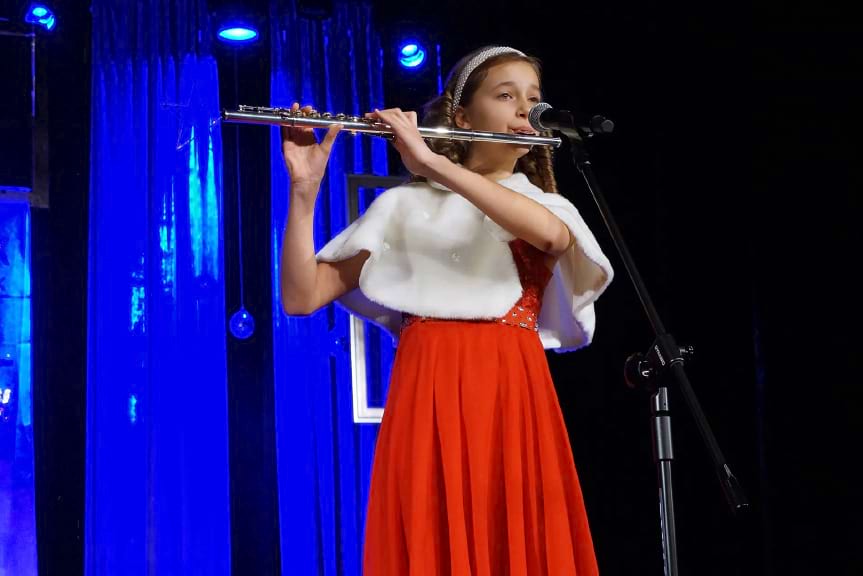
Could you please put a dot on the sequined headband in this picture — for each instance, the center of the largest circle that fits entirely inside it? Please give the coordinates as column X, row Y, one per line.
column 472, row 65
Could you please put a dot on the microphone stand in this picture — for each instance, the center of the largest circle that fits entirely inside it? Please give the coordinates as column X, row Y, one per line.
column 663, row 362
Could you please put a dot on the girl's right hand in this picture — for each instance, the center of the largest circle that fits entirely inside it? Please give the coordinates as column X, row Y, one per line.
column 305, row 159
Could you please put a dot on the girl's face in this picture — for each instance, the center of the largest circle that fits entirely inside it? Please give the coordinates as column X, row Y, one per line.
column 502, row 102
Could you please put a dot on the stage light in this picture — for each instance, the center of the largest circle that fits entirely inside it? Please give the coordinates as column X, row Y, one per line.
column 237, row 34
column 40, row 15
column 412, row 55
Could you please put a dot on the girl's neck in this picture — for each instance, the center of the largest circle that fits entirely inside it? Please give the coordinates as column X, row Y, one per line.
column 492, row 168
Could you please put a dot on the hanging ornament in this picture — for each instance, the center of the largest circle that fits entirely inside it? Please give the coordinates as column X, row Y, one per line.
column 242, row 323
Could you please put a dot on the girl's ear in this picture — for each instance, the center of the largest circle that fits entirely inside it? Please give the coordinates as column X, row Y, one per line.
column 460, row 119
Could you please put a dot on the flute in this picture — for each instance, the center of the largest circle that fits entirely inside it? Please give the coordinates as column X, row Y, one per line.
column 357, row 124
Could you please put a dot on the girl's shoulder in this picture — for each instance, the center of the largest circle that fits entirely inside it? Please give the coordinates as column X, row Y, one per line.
column 397, row 199
column 406, row 192
column 405, row 187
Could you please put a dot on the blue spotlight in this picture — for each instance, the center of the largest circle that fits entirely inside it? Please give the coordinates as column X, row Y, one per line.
column 237, row 33
column 40, row 15
column 412, row 55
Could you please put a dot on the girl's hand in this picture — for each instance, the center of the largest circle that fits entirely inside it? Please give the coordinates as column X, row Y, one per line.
column 416, row 155
column 305, row 158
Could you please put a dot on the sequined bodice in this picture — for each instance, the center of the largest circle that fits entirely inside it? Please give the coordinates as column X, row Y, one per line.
column 533, row 275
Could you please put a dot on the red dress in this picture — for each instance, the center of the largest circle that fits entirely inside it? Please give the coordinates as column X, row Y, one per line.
column 473, row 472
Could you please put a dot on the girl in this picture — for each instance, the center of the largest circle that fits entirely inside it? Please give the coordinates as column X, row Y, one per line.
column 473, row 267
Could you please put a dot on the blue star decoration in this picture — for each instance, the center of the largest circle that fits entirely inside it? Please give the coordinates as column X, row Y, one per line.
column 183, row 111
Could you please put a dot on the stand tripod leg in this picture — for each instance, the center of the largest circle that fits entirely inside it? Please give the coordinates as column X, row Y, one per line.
column 666, row 515
column 663, row 454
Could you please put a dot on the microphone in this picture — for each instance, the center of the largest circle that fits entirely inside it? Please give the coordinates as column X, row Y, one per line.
column 543, row 117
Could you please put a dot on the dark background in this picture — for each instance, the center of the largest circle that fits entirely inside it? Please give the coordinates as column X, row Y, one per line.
column 732, row 175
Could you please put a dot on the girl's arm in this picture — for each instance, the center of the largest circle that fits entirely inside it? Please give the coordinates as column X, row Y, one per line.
column 519, row 215
column 305, row 284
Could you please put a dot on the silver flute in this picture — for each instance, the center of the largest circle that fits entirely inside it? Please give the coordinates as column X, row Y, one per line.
column 357, row 124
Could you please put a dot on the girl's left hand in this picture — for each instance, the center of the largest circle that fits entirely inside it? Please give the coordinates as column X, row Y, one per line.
column 416, row 155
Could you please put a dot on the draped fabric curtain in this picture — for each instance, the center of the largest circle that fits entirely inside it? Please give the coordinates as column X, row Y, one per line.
column 157, row 445
column 17, row 495
column 324, row 458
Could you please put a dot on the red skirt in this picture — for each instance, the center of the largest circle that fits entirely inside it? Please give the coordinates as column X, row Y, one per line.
column 473, row 471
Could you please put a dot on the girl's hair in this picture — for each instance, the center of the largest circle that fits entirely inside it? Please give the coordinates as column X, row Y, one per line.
column 536, row 164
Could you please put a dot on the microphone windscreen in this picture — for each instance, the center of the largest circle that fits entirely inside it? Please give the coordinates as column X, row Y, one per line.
column 535, row 113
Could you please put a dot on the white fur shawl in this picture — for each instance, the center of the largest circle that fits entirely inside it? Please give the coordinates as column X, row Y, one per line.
column 433, row 253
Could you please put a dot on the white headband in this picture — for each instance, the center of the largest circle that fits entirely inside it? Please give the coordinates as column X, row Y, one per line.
column 472, row 65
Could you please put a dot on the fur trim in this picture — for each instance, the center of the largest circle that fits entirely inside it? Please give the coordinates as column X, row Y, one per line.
column 433, row 253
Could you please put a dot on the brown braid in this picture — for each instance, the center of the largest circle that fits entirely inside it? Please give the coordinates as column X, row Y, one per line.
column 537, row 164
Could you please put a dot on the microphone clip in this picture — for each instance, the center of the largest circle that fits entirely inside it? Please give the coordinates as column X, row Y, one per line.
column 543, row 117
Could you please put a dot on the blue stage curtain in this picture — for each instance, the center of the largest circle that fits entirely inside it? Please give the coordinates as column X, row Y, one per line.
column 157, row 497
column 324, row 458
column 17, row 513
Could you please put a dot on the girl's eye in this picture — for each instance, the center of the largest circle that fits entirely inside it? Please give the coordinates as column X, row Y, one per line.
column 534, row 99
column 505, row 95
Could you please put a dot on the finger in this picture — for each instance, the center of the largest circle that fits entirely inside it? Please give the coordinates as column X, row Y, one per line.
column 330, row 137
column 295, row 106
column 291, row 133
column 399, row 121
column 386, row 115
column 407, row 119
column 306, row 110
column 395, row 113
column 377, row 115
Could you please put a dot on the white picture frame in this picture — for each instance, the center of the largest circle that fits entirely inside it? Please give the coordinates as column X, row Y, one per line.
column 363, row 413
